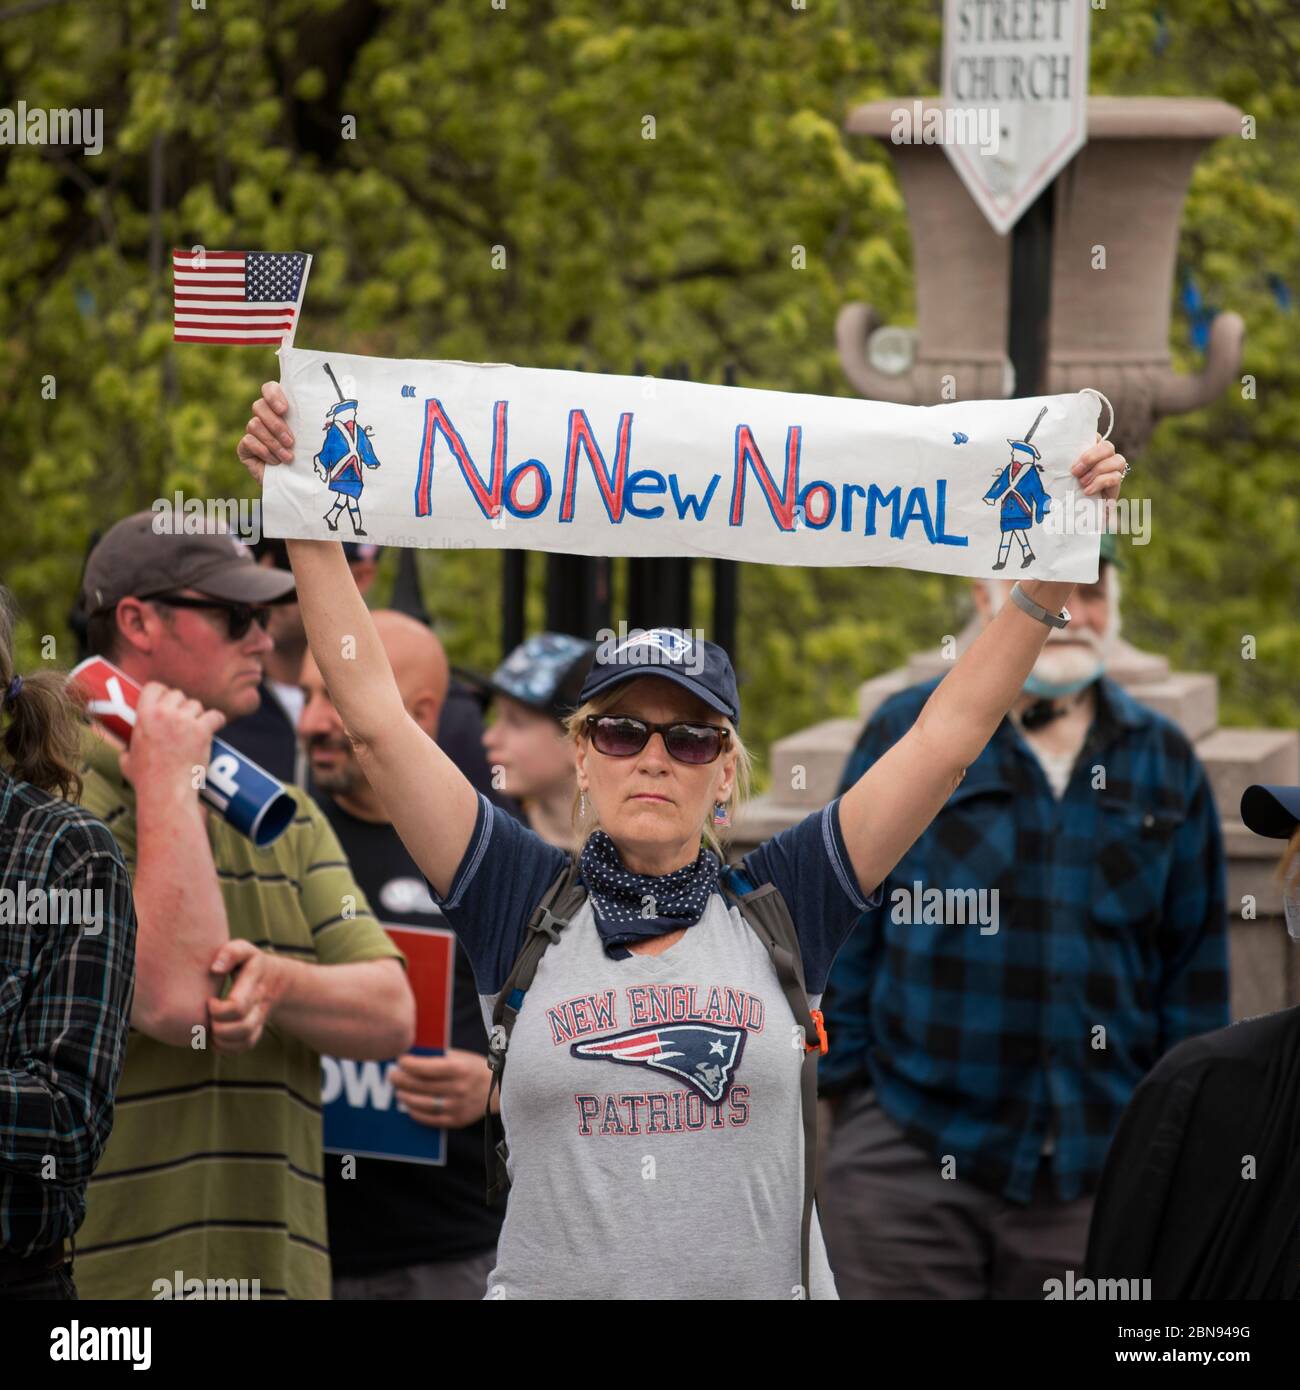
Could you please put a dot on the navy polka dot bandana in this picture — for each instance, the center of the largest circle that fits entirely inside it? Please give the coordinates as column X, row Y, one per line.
column 632, row 907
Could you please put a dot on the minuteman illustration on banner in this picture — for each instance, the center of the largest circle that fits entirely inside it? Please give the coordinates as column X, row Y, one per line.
column 516, row 457
column 344, row 454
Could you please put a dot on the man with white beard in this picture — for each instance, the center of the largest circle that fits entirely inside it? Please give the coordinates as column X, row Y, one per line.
column 976, row 1078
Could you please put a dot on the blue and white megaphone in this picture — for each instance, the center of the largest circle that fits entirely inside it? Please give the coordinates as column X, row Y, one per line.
column 246, row 795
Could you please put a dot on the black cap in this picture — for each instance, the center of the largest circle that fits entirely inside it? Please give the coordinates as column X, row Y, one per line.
column 701, row 667
column 1271, row 811
column 135, row 558
column 546, row 672
column 277, row 551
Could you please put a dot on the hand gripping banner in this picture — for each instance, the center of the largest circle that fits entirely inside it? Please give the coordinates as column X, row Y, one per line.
column 460, row 454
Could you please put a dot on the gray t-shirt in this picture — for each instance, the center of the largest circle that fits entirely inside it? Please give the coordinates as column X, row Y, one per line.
column 651, row 1103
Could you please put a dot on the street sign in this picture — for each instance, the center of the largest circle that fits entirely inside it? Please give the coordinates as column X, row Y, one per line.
column 1015, row 89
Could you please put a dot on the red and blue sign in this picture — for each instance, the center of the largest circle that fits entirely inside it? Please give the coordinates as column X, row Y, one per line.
column 362, row 1115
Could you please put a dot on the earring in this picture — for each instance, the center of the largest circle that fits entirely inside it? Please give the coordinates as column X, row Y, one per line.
column 721, row 816
column 582, row 805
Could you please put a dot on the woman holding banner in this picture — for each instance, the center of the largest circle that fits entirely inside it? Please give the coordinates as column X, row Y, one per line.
column 653, row 1110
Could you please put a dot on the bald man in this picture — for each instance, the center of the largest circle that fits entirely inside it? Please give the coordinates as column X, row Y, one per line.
column 405, row 1230
column 423, row 676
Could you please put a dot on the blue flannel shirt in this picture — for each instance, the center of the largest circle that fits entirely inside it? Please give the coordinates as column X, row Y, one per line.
column 1111, row 946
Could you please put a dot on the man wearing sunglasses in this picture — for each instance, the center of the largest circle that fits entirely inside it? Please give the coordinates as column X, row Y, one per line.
column 249, row 963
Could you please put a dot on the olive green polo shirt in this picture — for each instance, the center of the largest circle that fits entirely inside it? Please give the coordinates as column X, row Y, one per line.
column 214, row 1165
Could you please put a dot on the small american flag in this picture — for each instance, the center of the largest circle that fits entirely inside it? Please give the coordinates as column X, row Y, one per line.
column 236, row 296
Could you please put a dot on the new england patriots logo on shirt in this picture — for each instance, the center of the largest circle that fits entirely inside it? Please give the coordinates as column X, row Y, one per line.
column 702, row 1055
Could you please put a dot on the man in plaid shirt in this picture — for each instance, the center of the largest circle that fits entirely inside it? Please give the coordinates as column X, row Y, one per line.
column 985, row 1043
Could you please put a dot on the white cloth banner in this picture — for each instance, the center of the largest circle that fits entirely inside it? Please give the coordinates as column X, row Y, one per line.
column 460, row 455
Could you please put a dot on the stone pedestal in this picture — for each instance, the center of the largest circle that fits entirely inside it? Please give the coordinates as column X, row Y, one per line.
column 1265, row 962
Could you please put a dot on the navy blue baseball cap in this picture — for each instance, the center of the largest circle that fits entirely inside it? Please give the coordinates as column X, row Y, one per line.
column 1271, row 811
column 701, row 667
column 545, row 672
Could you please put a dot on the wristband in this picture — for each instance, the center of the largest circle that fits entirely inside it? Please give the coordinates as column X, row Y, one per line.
column 1022, row 600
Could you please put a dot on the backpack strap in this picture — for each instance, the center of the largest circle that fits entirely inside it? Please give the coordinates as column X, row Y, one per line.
column 769, row 917
column 555, row 911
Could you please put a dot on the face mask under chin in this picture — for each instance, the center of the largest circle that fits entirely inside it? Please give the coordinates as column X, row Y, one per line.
column 1066, row 666
column 1057, row 674
column 1057, row 690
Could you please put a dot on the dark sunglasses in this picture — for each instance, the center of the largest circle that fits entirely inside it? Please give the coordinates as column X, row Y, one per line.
column 239, row 616
column 621, row 736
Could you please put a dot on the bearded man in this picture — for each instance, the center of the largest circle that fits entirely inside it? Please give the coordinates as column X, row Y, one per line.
column 977, row 1075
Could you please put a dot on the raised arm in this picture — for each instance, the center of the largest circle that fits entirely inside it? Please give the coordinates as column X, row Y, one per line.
column 432, row 805
column 884, row 813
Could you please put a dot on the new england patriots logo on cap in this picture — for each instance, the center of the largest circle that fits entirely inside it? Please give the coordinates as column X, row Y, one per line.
column 673, row 644
column 703, row 1056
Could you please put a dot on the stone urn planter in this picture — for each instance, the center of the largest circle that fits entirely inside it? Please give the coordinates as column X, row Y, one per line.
column 1116, row 215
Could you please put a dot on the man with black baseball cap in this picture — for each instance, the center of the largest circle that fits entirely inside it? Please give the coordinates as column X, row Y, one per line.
column 249, row 962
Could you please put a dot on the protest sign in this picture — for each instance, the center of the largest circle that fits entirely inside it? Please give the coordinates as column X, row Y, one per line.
column 361, row 1112
column 458, row 454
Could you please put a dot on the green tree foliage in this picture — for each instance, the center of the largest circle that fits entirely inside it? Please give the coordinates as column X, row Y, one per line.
column 478, row 181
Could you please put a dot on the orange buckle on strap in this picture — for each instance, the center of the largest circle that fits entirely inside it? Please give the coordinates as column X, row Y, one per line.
column 822, row 1044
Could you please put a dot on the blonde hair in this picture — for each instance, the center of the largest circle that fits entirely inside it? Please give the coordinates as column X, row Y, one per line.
column 1288, row 864
column 585, row 822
